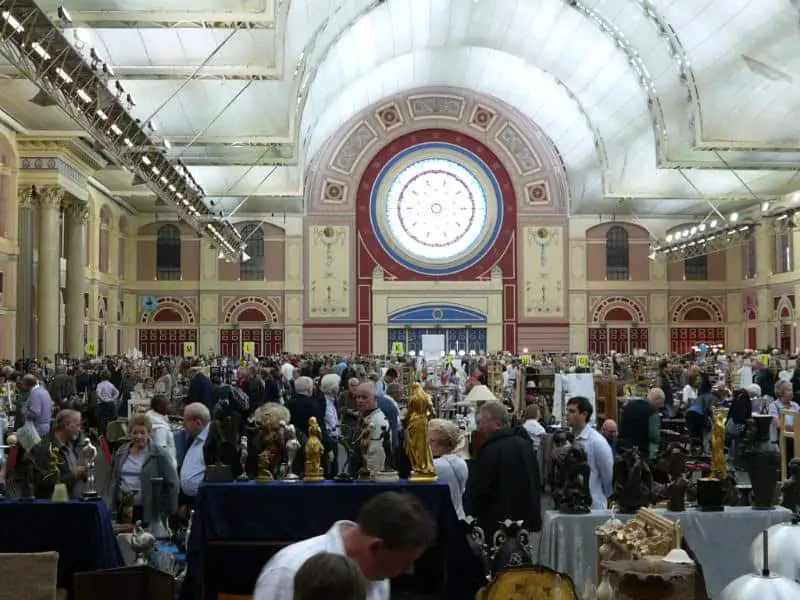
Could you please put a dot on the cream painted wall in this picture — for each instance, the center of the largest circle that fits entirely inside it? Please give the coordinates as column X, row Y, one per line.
column 390, row 296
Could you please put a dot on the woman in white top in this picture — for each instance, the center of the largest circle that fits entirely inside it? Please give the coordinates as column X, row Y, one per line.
column 107, row 396
column 443, row 437
column 532, row 425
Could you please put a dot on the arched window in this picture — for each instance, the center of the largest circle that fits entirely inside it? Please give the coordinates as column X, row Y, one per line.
column 617, row 255
column 696, row 268
column 168, row 253
column 253, row 268
column 782, row 250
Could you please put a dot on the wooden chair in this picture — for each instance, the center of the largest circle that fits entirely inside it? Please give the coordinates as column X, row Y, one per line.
column 793, row 435
column 29, row 576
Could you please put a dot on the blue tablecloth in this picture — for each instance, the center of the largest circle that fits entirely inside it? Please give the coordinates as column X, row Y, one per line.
column 281, row 512
column 80, row 532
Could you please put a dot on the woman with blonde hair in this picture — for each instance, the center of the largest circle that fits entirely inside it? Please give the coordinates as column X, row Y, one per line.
column 443, row 437
column 135, row 465
column 329, row 576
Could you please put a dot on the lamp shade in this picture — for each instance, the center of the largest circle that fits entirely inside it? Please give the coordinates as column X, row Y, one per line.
column 783, row 550
column 760, row 587
column 480, row 393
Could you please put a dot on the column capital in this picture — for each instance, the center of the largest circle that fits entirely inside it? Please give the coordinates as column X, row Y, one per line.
column 50, row 197
column 25, row 196
column 77, row 211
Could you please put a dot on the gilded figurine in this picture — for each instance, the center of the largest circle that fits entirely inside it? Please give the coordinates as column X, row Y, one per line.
column 363, row 445
column 314, row 452
column 264, row 464
column 718, row 465
column 420, row 412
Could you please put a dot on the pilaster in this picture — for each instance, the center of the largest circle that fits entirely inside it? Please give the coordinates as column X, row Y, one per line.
column 130, row 333
column 76, row 216
column 93, row 322
column 208, row 328
column 764, row 244
column 112, row 321
column 578, row 321
column 113, row 251
column 49, row 200
column 796, row 244
column 293, row 296
column 658, row 314
column 94, row 242
column 25, row 273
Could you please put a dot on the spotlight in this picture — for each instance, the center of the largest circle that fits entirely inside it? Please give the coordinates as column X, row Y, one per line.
column 669, row 238
column 764, row 206
column 63, row 16
column 119, row 87
column 713, row 223
column 734, row 217
column 108, row 70
column 702, row 227
column 693, row 231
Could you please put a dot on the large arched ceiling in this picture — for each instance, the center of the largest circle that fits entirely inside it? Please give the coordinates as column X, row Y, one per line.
column 655, row 107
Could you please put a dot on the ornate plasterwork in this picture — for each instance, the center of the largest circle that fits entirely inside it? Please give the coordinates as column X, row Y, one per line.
column 681, row 306
column 540, row 184
column 601, row 306
column 49, row 197
column 232, row 307
column 179, row 305
column 544, row 272
column 329, row 271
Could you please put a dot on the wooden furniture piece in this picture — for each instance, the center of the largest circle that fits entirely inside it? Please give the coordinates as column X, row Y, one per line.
column 529, row 582
column 605, row 393
column 652, row 580
column 792, row 434
column 126, row 583
column 29, row 576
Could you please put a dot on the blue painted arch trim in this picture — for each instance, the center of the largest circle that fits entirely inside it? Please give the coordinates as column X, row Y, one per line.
column 442, row 314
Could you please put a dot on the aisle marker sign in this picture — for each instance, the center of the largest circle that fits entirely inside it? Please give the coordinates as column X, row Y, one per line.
column 248, row 349
column 526, row 359
column 397, row 347
column 583, row 361
column 764, row 360
column 188, row 349
column 91, row 349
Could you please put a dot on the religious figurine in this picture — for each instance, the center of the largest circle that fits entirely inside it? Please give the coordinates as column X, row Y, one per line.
column 363, row 445
column 388, row 474
column 243, row 459
column 633, row 482
column 125, row 507
column 420, row 411
column 264, row 463
column 292, row 446
column 574, row 496
column 718, row 465
column 90, row 493
column 791, row 487
column 314, row 452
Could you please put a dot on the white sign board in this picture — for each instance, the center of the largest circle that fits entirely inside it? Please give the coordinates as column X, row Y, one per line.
column 433, row 347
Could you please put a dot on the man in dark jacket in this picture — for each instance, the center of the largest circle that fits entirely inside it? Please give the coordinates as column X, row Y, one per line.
column 504, row 477
column 199, row 388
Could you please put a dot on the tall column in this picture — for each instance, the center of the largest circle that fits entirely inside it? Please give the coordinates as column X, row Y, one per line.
column 764, row 241
column 25, row 273
column 49, row 272
column 76, row 215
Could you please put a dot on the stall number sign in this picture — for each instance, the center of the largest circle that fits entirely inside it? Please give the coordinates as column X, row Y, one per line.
column 188, row 349
column 397, row 347
column 526, row 359
column 764, row 359
column 583, row 361
column 249, row 348
column 91, row 349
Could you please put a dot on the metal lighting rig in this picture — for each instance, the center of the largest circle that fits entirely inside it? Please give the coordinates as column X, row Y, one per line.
column 704, row 239
column 31, row 42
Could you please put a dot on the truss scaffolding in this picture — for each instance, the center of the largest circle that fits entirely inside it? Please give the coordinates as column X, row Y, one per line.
column 707, row 243
column 31, row 42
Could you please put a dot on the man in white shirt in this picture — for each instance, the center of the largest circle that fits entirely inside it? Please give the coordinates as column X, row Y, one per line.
column 367, row 405
column 196, row 419
column 393, row 531
column 598, row 452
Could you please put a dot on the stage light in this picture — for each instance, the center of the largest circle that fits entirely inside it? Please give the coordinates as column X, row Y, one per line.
column 43, row 54
column 734, row 217
column 64, row 16
column 11, row 20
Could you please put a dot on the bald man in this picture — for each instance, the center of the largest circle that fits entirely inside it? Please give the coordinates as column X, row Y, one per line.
column 609, row 431
column 196, row 419
column 370, row 414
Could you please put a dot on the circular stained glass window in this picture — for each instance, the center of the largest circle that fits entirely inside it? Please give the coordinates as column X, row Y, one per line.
column 436, row 209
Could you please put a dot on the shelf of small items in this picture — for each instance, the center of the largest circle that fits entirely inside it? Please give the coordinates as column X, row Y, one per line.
column 537, row 386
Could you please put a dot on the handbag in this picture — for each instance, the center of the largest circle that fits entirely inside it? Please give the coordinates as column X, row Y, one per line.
column 734, row 430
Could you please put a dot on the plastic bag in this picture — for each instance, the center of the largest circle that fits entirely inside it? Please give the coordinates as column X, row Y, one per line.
column 27, row 436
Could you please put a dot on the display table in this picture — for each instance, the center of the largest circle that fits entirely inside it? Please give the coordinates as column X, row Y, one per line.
column 237, row 527
column 80, row 532
column 568, row 543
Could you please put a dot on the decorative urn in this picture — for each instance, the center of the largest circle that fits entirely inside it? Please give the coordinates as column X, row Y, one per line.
column 762, row 459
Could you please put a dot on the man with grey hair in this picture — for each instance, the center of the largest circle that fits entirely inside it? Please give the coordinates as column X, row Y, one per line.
column 504, row 479
column 784, row 395
column 192, row 466
column 40, row 404
column 66, row 429
column 303, row 405
column 370, row 416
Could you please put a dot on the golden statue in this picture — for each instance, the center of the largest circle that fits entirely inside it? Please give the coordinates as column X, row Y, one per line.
column 718, row 466
column 264, row 474
column 420, row 412
column 314, row 452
